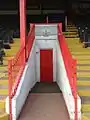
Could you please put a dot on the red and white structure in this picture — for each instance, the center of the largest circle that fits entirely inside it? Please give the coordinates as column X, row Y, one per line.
column 43, row 40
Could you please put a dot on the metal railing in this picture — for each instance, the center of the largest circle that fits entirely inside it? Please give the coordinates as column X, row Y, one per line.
column 16, row 67
column 70, row 65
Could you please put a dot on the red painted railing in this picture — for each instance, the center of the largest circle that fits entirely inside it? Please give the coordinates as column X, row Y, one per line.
column 70, row 65
column 16, row 66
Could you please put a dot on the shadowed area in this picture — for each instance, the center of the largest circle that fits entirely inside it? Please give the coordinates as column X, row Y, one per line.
column 44, row 87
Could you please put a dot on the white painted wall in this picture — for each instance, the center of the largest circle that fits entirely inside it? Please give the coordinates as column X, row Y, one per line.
column 46, row 31
column 28, row 80
column 45, row 36
column 32, row 74
column 63, row 82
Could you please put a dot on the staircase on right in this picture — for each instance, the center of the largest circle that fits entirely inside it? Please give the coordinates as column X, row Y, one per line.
column 82, row 55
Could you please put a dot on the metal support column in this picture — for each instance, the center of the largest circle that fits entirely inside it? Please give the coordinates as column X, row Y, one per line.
column 23, row 26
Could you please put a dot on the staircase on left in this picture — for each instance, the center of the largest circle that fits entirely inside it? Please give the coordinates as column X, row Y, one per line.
column 4, row 77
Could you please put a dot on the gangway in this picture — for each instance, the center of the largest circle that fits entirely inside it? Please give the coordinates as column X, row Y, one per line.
column 44, row 105
column 43, row 87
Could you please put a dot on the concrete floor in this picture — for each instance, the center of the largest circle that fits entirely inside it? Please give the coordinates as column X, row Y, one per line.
column 47, row 106
column 45, row 102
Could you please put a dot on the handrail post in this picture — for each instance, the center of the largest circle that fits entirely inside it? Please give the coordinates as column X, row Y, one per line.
column 23, row 35
column 10, row 62
column 75, row 91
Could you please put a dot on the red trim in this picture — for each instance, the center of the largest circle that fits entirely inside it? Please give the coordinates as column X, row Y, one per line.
column 10, row 87
column 70, row 65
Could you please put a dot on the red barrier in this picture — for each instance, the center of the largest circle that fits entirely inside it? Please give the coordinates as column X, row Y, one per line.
column 70, row 65
column 16, row 66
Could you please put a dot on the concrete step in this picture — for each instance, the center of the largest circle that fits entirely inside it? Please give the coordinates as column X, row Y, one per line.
column 4, row 116
column 83, row 79
column 85, row 100
column 86, row 116
column 4, row 78
column 83, row 67
column 75, row 47
column 71, row 36
column 70, row 32
column 2, row 105
column 3, row 97
column 3, row 82
column 84, row 91
column 83, row 87
column 77, row 53
column 83, row 61
column 85, row 108
column 80, row 50
column 2, row 86
column 72, row 39
column 72, row 29
column 4, row 67
column 3, row 92
column 83, row 74
column 86, row 57
column 83, row 83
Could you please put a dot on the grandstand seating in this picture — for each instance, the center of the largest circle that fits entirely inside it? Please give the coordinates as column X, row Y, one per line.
column 4, row 76
column 82, row 55
column 84, row 32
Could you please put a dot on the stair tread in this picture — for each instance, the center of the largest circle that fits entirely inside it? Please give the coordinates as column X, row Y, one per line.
column 3, row 91
column 84, row 92
column 3, row 82
column 3, row 97
column 83, row 87
column 83, row 74
column 85, row 108
column 2, row 113
column 80, row 53
column 85, row 100
column 87, row 114
column 83, row 83
column 83, row 78
column 83, row 71
column 3, row 86
column 87, row 65
column 84, row 117
column 83, row 67
column 4, row 78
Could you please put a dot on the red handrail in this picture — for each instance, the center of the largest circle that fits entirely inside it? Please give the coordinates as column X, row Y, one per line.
column 16, row 67
column 70, row 65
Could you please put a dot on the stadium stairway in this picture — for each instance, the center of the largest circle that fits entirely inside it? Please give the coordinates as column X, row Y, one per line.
column 82, row 56
column 4, row 77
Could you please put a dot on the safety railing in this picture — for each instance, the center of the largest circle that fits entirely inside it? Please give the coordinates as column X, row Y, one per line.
column 16, row 66
column 70, row 65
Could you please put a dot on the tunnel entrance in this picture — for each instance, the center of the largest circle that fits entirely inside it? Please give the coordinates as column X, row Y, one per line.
column 43, row 87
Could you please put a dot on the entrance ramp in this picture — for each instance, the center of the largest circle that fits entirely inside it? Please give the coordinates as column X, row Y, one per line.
column 52, row 98
column 45, row 102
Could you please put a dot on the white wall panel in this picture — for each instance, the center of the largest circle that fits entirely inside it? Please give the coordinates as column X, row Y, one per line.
column 64, row 85
column 46, row 31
